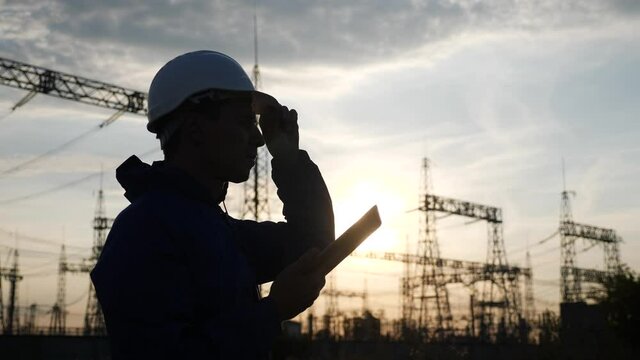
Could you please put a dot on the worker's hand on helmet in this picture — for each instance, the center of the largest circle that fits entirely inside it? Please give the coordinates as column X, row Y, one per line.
column 297, row 286
column 279, row 126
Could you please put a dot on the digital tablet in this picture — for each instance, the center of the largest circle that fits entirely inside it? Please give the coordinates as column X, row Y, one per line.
column 344, row 245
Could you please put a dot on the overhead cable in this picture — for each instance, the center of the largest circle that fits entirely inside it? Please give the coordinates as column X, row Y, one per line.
column 49, row 152
column 21, row 236
column 48, row 191
column 538, row 243
column 62, row 186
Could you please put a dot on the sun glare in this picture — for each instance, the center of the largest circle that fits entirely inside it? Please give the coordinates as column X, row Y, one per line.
column 356, row 199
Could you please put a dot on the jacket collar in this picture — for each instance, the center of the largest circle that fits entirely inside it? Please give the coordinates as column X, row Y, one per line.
column 137, row 177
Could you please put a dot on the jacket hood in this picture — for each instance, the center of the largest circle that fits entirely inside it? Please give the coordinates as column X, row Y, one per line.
column 137, row 178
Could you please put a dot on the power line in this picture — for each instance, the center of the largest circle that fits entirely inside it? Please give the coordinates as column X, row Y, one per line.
column 547, row 282
column 48, row 191
column 41, row 80
column 538, row 243
column 75, row 301
column 47, row 264
column 21, row 237
column 555, row 248
column 71, row 183
column 5, row 115
column 40, row 253
column 545, row 263
column 49, row 152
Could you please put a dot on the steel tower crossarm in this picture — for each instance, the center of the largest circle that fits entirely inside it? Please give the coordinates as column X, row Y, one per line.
column 342, row 293
column 588, row 275
column 468, row 266
column 462, row 208
column 570, row 228
column 454, row 269
column 84, row 267
column 71, row 87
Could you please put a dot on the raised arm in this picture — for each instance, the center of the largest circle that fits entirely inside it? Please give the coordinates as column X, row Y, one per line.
column 308, row 213
column 307, row 205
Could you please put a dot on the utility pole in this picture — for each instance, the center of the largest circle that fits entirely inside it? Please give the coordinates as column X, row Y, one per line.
column 256, row 188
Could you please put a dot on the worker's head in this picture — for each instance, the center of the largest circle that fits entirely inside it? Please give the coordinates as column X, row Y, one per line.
column 200, row 109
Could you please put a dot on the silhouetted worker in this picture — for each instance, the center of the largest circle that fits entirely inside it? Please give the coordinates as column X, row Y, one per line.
column 177, row 276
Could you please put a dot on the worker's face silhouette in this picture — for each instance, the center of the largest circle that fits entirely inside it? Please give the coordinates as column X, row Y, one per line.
column 231, row 141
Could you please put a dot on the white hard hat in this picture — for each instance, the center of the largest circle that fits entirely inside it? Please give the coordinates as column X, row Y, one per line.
column 189, row 74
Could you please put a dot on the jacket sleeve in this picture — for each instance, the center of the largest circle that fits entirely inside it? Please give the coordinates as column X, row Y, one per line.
column 308, row 212
column 145, row 287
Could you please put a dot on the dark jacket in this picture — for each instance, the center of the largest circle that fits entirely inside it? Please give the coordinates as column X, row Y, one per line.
column 177, row 276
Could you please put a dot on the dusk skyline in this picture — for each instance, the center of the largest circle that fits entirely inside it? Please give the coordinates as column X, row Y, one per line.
column 495, row 95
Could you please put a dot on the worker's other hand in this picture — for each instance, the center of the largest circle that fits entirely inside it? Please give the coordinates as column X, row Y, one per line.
column 297, row 286
column 279, row 126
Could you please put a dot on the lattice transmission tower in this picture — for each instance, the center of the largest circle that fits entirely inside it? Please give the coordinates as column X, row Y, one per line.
column 58, row 322
column 333, row 319
column 572, row 277
column 36, row 79
column 529, row 299
column 433, row 316
column 497, row 310
column 11, row 324
column 93, row 319
column 256, row 188
column 40, row 80
column 465, row 272
column 500, row 302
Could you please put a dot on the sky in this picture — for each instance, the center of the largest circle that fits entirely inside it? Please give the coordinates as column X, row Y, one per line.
column 496, row 94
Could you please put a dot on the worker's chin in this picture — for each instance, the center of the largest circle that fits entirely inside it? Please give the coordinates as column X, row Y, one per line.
column 240, row 177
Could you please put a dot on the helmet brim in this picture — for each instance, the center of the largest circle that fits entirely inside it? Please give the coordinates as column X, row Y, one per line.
column 262, row 102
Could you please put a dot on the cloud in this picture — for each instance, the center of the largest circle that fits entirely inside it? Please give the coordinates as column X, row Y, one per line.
column 497, row 92
column 109, row 34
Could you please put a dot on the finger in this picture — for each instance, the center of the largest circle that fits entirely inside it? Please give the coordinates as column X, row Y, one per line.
column 309, row 298
column 322, row 283
column 312, row 302
column 269, row 122
column 291, row 121
column 313, row 285
column 319, row 284
column 262, row 102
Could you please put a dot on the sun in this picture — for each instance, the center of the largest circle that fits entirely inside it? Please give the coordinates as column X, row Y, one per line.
column 354, row 200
